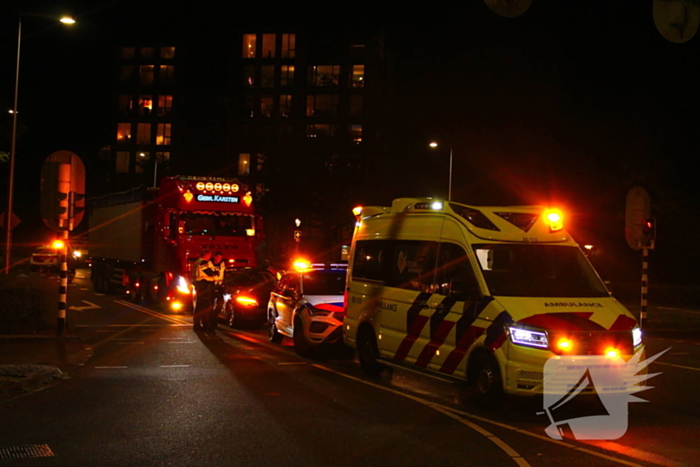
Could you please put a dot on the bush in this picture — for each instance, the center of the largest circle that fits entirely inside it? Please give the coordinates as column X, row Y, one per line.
column 28, row 303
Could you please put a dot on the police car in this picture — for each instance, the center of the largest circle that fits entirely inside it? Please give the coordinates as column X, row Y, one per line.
column 307, row 305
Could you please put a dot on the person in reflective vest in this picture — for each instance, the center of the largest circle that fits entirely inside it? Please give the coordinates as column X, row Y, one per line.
column 218, row 266
column 204, row 281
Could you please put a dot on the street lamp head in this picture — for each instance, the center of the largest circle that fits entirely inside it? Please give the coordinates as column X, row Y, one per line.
column 67, row 20
column 433, row 144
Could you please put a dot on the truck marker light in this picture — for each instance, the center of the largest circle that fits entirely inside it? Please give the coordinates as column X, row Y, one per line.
column 209, row 186
column 200, row 186
column 226, row 187
column 217, row 186
column 555, row 220
column 188, row 196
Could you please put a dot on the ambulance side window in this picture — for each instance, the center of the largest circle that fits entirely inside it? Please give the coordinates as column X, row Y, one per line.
column 412, row 265
column 370, row 260
column 454, row 274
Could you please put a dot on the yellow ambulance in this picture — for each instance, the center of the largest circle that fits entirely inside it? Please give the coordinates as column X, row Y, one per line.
column 480, row 294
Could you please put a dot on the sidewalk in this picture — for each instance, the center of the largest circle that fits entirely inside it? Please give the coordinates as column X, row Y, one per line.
column 29, row 363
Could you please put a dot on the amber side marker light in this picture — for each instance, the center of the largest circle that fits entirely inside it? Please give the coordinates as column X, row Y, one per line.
column 611, row 352
column 57, row 244
column 564, row 344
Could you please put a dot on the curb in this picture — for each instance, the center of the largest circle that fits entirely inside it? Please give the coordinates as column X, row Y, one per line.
column 16, row 380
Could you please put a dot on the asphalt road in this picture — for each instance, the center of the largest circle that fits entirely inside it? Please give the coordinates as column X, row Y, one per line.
column 156, row 393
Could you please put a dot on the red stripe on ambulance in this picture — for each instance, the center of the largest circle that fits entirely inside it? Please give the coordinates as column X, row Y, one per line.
column 456, row 356
column 438, row 339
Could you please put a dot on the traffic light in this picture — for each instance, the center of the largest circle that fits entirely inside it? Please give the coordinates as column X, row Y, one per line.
column 649, row 231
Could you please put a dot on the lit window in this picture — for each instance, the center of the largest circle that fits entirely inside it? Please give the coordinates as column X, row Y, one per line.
column 142, row 161
column 287, row 75
column 356, row 132
column 143, row 133
column 146, row 75
column 266, row 106
column 244, row 164
column 165, row 105
column 358, row 76
column 145, row 105
column 146, row 52
column 267, row 76
column 166, row 73
column 249, row 76
column 167, row 53
column 248, row 45
column 122, row 165
column 323, row 75
column 127, row 53
column 320, row 130
column 123, row 132
column 285, row 105
column 163, row 134
column 288, row 45
column 268, row 45
column 321, row 105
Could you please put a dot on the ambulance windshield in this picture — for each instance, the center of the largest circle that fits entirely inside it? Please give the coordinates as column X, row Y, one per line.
column 538, row 271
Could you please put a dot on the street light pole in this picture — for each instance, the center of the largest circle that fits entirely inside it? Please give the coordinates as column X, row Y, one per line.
column 13, row 149
column 13, row 145
column 433, row 144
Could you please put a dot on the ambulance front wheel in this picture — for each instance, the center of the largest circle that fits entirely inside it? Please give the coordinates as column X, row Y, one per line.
column 486, row 378
column 368, row 353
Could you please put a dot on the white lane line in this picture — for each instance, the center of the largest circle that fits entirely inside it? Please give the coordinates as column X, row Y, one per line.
column 175, row 366
column 181, row 342
column 678, row 366
column 517, row 458
column 110, row 367
column 150, row 312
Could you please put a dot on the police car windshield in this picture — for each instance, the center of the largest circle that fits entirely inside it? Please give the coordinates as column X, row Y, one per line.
column 324, row 283
column 538, row 271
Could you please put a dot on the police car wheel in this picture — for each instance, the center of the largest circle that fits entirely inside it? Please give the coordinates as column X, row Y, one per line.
column 273, row 333
column 230, row 313
column 301, row 345
column 368, row 353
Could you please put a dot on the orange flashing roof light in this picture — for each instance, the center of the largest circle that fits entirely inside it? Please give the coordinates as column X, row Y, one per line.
column 357, row 211
column 58, row 244
column 301, row 264
column 554, row 218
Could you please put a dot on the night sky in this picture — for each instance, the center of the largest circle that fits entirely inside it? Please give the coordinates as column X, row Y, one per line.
column 572, row 104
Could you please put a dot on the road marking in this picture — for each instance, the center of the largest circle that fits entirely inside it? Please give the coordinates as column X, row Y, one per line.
column 110, row 367
column 130, row 343
column 181, row 342
column 679, row 366
column 679, row 309
column 517, row 458
column 129, row 325
column 90, row 306
column 175, row 366
column 291, row 363
column 150, row 312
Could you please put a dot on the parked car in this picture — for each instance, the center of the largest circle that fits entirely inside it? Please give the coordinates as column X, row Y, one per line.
column 246, row 294
column 307, row 305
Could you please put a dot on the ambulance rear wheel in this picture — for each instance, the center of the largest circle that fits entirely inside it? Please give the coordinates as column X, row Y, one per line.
column 486, row 379
column 368, row 353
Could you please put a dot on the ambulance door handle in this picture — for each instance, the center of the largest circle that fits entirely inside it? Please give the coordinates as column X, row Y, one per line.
column 440, row 308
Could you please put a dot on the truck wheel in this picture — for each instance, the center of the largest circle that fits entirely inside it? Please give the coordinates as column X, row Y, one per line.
column 273, row 333
column 301, row 345
column 368, row 353
column 485, row 377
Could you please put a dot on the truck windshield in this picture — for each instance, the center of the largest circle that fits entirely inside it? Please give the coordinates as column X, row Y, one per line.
column 211, row 224
column 538, row 271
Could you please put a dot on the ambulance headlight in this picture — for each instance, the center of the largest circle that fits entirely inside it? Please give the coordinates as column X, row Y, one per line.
column 528, row 337
column 636, row 337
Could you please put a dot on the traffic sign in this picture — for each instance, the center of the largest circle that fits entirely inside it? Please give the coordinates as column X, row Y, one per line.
column 62, row 190
column 14, row 220
column 637, row 212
